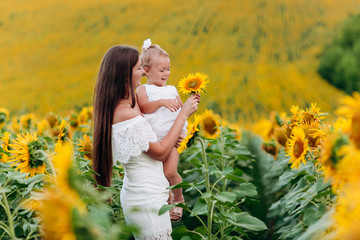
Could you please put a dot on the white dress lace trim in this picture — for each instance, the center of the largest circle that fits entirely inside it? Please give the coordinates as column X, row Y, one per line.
column 130, row 138
column 159, row 236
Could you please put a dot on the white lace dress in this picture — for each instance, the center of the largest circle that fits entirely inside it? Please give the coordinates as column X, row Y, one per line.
column 162, row 119
column 144, row 189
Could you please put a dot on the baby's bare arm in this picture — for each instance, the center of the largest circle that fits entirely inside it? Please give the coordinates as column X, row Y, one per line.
column 147, row 106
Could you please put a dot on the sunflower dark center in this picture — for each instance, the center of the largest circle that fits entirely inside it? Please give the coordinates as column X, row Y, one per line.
column 193, row 84
column 87, row 147
column 298, row 148
column 52, row 120
column 209, row 125
column 308, row 118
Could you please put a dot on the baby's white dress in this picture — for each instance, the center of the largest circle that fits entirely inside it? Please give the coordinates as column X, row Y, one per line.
column 162, row 119
column 145, row 185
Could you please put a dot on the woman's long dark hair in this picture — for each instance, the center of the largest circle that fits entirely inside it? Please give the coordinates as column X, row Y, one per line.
column 114, row 83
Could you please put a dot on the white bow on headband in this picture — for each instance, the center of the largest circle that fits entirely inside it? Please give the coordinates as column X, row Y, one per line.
column 147, row 44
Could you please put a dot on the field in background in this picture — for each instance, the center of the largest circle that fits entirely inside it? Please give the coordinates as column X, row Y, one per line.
column 259, row 55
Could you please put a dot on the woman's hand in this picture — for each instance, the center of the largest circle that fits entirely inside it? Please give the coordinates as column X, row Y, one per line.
column 191, row 105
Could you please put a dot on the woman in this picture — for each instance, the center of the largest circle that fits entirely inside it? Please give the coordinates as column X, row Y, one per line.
column 122, row 134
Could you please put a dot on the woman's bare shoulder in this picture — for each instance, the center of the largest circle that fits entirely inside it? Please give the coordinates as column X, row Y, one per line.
column 123, row 113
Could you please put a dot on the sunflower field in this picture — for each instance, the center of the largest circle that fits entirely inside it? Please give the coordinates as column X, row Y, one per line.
column 260, row 55
column 292, row 177
column 273, row 152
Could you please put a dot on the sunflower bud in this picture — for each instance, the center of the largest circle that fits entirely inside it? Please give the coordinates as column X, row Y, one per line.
column 271, row 148
column 280, row 135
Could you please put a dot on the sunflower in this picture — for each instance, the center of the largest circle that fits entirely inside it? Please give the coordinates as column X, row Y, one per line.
column 314, row 136
column 90, row 112
column 209, row 124
column 347, row 213
column 271, row 148
column 192, row 131
column 311, row 116
column 52, row 119
column 64, row 133
column 355, row 128
column 73, row 120
column 350, row 109
column 331, row 157
column 83, row 116
column 295, row 110
column 4, row 117
column 27, row 154
column 280, row 135
column 4, row 144
column 297, row 147
column 83, row 119
column 63, row 161
column 193, row 83
column 15, row 124
column 343, row 125
column 58, row 200
column 5, row 140
column 264, row 128
column 4, row 158
column 349, row 166
column 349, row 105
column 26, row 120
column 42, row 126
column 55, row 211
column 85, row 146
column 184, row 143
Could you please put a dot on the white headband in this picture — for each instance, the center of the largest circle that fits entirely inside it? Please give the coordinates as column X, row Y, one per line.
column 147, row 44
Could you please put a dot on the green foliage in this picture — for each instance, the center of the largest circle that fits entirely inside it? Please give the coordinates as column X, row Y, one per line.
column 101, row 218
column 16, row 222
column 294, row 202
column 232, row 188
column 215, row 190
column 340, row 61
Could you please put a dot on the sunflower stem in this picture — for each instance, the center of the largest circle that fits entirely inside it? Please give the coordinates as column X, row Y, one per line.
column 209, row 202
column 6, row 207
column 222, row 160
column 202, row 222
column 51, row 166
column 222, row 145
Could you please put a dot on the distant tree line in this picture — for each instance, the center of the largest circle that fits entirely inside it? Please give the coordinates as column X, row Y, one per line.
column 340, row 60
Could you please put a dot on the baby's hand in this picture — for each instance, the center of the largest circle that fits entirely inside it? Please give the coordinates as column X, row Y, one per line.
column 172, row 104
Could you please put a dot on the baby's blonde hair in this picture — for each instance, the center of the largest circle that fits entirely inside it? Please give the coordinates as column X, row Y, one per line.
column 148, row 54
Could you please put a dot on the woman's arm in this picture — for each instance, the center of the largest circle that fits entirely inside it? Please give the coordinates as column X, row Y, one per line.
column 160, row 150
column 147, row 106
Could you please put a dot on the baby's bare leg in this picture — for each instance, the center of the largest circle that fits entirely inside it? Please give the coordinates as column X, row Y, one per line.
column 170, row 170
